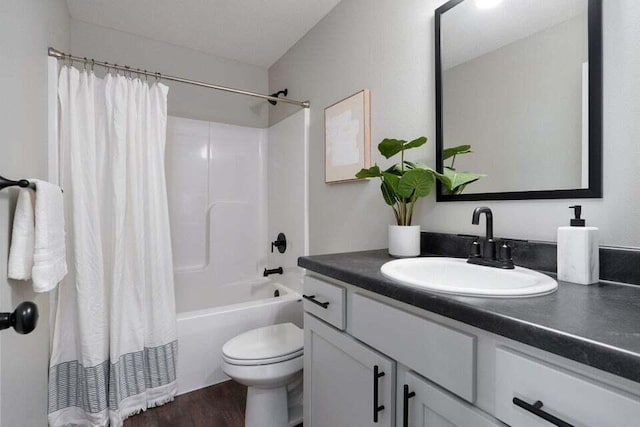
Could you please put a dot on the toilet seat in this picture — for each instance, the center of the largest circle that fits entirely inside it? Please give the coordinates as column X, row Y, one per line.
column 264, row 346
column 255, row 362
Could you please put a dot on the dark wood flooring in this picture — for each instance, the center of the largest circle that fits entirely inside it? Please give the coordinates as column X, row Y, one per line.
column 221, row 405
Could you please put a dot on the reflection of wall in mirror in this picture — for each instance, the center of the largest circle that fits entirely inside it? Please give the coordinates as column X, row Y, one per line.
column 526, row 94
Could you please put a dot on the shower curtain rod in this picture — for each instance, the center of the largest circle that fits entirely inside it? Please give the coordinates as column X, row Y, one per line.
column 91, row 62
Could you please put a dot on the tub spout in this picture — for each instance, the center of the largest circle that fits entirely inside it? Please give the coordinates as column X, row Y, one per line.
column 267, row 271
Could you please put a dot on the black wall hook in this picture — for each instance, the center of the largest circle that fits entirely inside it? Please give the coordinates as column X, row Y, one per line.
column 284, row 92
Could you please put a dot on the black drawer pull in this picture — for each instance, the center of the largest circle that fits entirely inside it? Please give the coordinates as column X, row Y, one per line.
column 536, row 409
column 376, row 375
column 405, row 405
column 313, row 299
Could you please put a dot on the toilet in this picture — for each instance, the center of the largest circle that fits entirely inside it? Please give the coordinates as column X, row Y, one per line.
column 269, row 362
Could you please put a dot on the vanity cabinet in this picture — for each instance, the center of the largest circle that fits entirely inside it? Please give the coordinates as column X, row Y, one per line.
column 561, row 394
column 442, row 354
column 424, row 404
column 374, row 361
column 347, row 384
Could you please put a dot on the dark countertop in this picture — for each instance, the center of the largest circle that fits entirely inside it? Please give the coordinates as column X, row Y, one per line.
column 597, row 325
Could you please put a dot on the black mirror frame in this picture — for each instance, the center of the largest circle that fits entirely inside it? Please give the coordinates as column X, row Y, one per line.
column 595, row 119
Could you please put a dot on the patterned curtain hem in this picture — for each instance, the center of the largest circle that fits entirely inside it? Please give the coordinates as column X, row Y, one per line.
column 135, row 382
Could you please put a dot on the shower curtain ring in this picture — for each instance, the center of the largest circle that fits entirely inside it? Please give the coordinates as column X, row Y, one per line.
column 146, row 76
column 84, row 65
column 117, row 69
column 93, row 63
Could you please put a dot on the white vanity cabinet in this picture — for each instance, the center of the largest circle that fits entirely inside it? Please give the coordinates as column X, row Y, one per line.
column 424, row 404
column 347, row 384
column 436, row 372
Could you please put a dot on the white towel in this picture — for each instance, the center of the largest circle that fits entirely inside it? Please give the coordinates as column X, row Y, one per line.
column 48, row 252
column 22, row 238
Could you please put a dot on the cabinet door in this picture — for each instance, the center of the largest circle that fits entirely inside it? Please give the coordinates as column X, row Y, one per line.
column 424, row 404
column 340, row 385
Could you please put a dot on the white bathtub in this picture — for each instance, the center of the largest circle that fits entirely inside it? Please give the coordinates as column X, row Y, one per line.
column 239, row 308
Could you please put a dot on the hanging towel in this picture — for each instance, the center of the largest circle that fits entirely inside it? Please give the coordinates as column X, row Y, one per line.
column 37, row 248
column 22, row 238
column 50, row 254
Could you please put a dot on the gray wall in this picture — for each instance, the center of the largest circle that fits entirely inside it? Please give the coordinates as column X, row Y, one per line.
column 184, row 100
column 388, row 49
column 27, row 27
column 520, row 106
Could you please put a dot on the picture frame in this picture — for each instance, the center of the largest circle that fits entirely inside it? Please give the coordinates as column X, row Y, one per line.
column 347, row 137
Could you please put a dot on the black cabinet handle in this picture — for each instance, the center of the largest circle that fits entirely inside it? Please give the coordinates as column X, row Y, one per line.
column 405, row 405
column 376, row 375
column 536, row 409
column 313, row 299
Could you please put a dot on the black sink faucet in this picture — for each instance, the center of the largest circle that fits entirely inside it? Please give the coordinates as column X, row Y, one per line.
column 489, row 244
column 488, row 256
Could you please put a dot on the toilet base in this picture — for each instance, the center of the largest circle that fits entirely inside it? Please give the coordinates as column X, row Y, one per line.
column 266, row 407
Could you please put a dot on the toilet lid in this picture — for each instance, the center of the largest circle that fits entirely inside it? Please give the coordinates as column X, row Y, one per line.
column 270, row 342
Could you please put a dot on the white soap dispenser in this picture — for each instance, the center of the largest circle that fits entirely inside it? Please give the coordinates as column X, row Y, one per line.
column 578, row 251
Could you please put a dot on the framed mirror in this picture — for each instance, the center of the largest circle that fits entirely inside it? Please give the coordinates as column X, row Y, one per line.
column 519, row 99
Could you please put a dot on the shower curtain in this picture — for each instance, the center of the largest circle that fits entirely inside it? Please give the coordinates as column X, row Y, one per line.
column 114, row 342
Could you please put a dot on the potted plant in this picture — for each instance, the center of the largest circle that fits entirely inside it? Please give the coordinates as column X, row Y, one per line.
column 404, row 183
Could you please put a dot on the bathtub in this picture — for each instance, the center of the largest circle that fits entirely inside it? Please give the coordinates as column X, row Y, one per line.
column 239, row 308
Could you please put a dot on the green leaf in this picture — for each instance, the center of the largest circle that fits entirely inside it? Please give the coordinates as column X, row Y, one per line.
column 418, row 142
column 388, row 194
column 415, row 183
column 392, row 180
column 372, row 172
column 395, row 169
column 454, row 151
column 389, row 147
column 456, row 181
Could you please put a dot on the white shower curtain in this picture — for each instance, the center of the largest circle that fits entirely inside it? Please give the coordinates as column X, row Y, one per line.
column 114, row 342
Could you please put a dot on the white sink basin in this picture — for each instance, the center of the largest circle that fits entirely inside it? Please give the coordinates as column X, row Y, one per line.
column 455, row 276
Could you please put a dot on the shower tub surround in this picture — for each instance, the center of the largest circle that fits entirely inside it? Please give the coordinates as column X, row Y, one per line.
column 229, row 197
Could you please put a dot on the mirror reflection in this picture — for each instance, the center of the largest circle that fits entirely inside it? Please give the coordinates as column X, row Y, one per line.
column 515, row 88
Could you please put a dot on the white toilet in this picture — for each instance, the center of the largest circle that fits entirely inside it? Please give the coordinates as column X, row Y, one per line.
column 269, row 362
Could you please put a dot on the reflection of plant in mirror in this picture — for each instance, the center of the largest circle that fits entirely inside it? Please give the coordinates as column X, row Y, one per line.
column 455, row 182
column 403, row 183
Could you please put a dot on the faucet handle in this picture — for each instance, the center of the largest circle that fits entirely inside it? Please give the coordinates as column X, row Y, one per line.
column 280, row 243
column 475, row 248
column 505, row 251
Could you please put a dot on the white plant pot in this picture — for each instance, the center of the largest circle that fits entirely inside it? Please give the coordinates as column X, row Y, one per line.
column 404, row 240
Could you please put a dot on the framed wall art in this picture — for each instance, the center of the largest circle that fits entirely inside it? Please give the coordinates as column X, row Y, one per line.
column 347, row 137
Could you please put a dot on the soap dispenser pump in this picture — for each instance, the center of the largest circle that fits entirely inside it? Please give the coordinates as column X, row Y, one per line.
column 576, row 221
column 578, row 251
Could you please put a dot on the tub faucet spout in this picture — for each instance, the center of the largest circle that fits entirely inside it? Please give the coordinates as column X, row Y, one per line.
column 268, row 272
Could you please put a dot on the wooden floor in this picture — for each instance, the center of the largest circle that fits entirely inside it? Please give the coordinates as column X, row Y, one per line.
column 220, row 405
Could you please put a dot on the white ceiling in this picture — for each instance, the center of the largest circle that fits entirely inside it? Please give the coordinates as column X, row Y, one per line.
column 469, row 32
column 255, row 32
